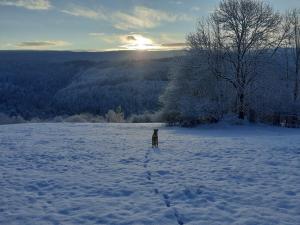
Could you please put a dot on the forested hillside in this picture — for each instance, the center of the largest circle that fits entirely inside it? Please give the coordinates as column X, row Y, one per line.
column 47, row 84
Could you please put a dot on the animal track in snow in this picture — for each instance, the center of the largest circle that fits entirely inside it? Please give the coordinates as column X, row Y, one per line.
column 148, row 175
column 178, row 218
column 165, row 196
column 167, row 200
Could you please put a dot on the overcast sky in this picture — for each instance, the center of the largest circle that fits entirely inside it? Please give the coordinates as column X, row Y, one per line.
column 100, row 25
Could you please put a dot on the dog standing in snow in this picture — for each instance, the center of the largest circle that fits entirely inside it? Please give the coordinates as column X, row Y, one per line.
column 155, row 139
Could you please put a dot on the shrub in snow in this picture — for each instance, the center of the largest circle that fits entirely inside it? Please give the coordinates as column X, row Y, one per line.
column 115, row 116
column 5, row 119
column 58, row 119
column 231, row 119
column 146, row 117
column 143, row 118
column 36, row 120
column 75, row 119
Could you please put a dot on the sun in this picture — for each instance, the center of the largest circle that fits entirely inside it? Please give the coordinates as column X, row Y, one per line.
column 142, row 43
column 138, row 42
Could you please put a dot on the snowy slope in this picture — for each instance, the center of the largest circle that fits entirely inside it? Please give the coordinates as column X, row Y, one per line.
column 108, row 174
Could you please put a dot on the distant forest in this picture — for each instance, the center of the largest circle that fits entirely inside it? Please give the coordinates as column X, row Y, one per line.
column 48, row 84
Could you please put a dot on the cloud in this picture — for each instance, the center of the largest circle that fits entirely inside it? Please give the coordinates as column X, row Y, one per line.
column 85, row 12
column 196, row 8
column 177, row 2
column 131, row 38
column 143, row 17
column 107, row 38
column 41, row 44
column 28, row 4
column 96, row 34
column 139, row 18
column 123, row 21
column 174, row 45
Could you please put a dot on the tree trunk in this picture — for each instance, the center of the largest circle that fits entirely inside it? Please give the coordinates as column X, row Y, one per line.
column 241, row 106
column 296, row 89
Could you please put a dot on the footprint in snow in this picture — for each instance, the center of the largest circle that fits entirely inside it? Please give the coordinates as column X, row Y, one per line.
column 167, row 200
column 148, row 175
column 178, row 218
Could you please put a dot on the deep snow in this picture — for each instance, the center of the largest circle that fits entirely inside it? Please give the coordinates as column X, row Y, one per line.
column 109, row 174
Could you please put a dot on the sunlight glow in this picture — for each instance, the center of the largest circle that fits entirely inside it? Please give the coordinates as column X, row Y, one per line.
column 138, row 42
column 143, row 43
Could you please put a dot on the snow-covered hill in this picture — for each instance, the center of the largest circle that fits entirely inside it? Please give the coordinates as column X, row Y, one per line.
column 109, row 174
column 48, row 84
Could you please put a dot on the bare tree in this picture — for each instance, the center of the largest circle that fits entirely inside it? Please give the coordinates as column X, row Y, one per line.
column 293, row 23
column 235, row 38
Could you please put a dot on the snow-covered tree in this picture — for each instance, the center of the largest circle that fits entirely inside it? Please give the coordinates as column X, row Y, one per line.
column 293, row 45
column 193, row 94
column 236, row 37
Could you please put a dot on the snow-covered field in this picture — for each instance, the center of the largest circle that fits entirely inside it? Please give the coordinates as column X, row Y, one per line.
column 109, row 174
